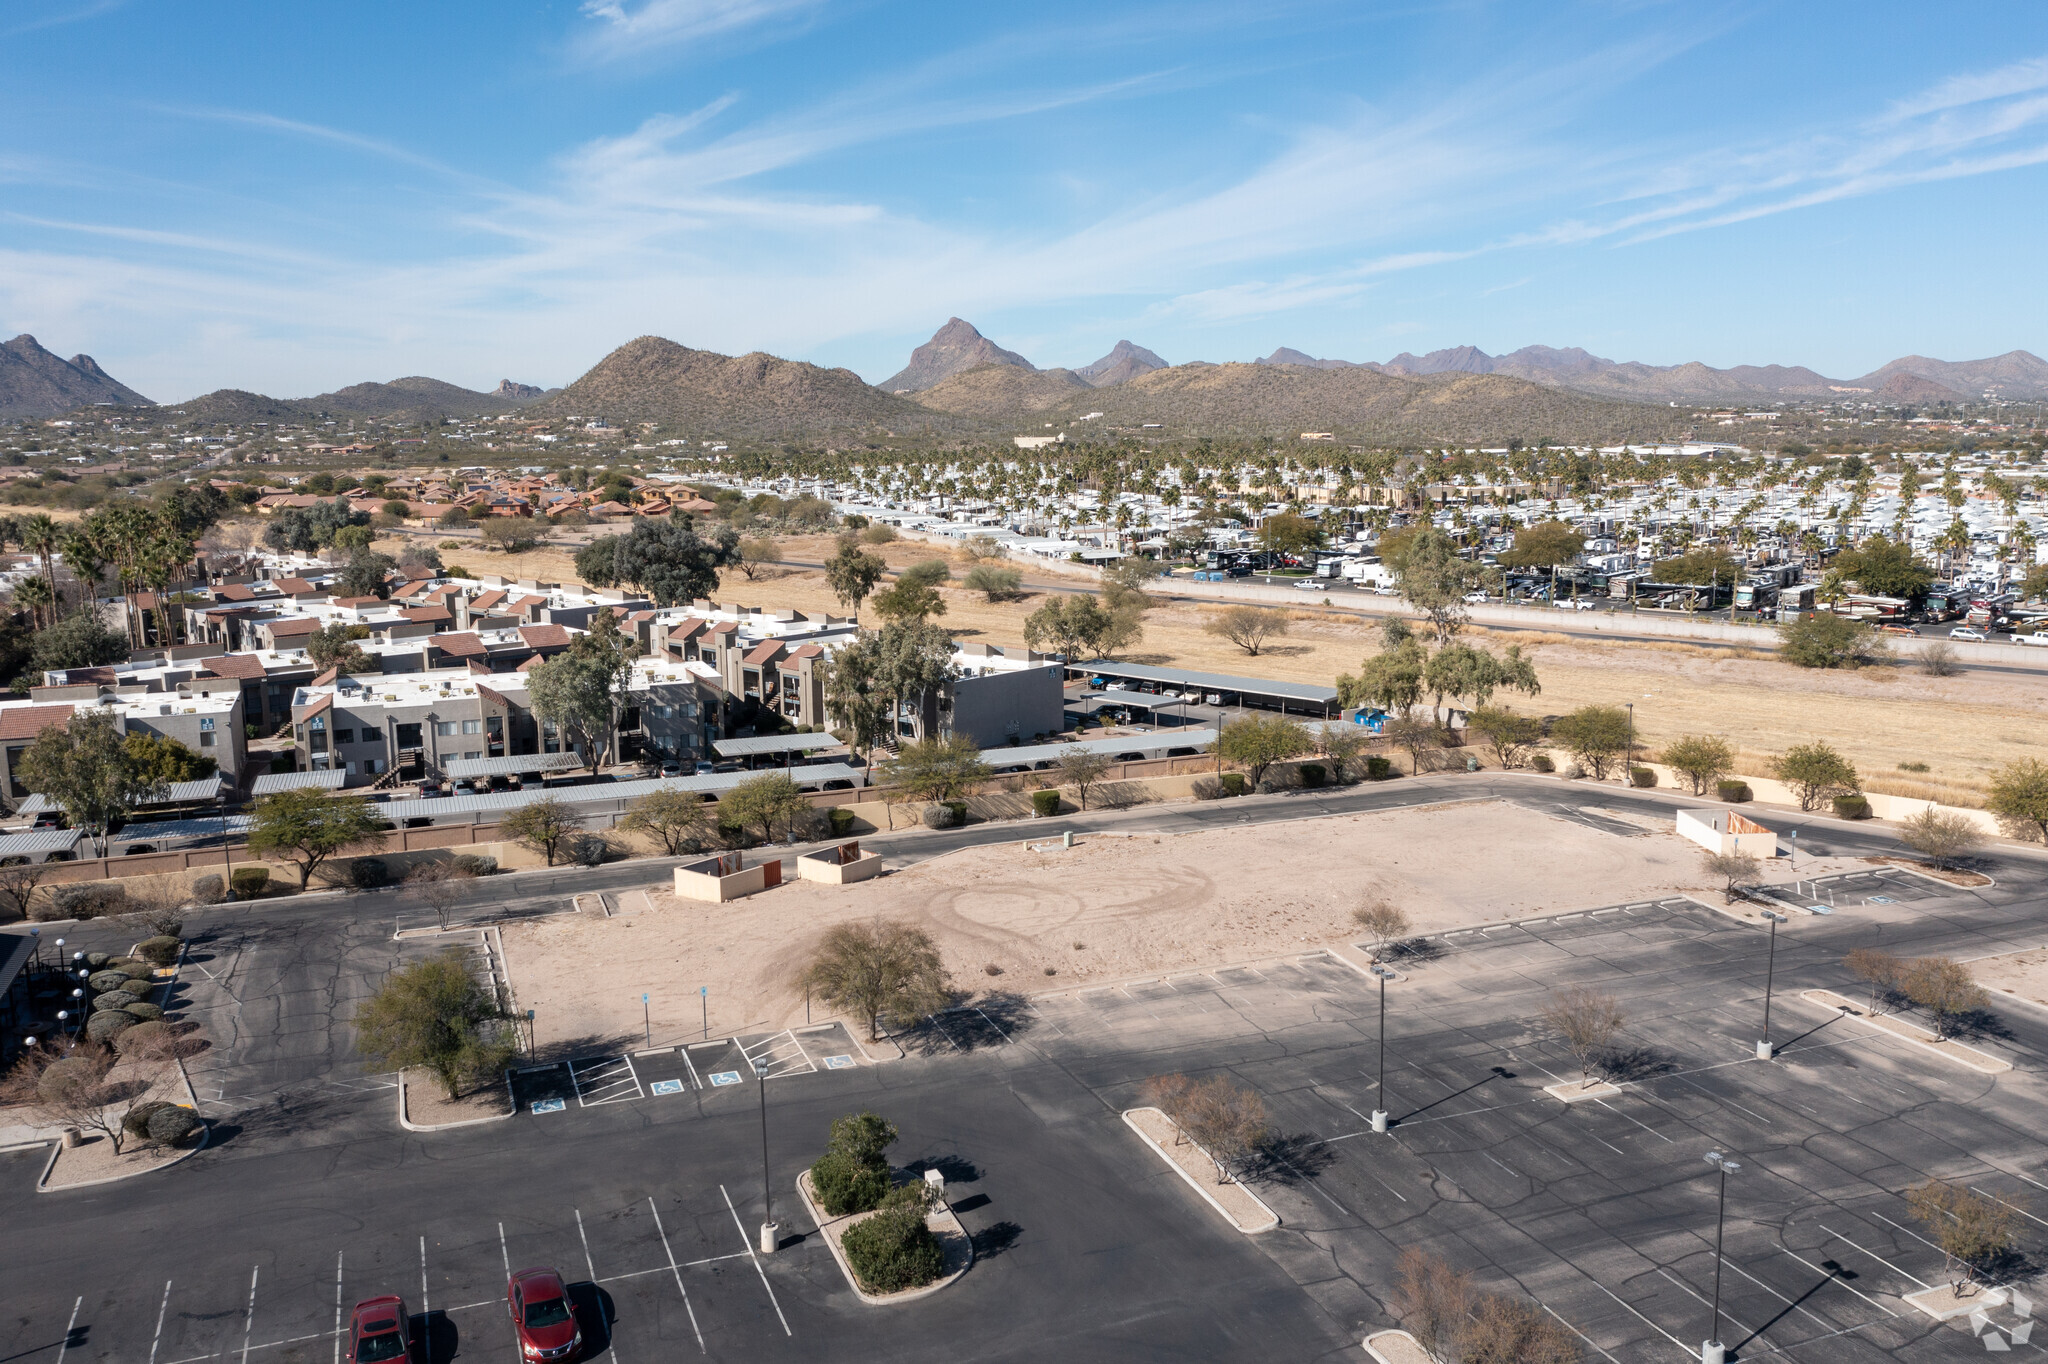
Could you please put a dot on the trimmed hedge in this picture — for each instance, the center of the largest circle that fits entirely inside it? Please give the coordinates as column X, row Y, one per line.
column 142, row 1011
column 105, row 1027
column 135, row 1122
column 250, row 882
column 893, row 1250
column 1642, row 776
column 475, row 864
column 1851, row 807
column 142, row 1032
column 104, row 981
column 945, row 814
column 162, row 950
column 173, row 1125
column 112, row 999
column 97, row 960
column 368, row 873
column 134, row 967
column 1734, row 792
column 1045, row 803
column 1378, row 767
column 208, row 890
column 841, row 820
column 61, row 1076
column 90, row 899
column 1542, row 762
column 1234, row 783
column 845, row 1184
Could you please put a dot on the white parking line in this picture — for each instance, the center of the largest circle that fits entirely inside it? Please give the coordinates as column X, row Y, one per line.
column 1580, row 1334
column 164, row 1307
column 337, row 1308
column 1832, row 1275
column 1689, row 1351
column 611, row 1345
column 426, row 1308
column 504, row 1257
column 677, row 1270
column 249, row 1320
column 1873, row 1255
column 69, row 1327
column 692, row 1069
column 741, row 1227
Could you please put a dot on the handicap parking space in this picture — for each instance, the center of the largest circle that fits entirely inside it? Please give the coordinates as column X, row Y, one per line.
column 776, row 1055
column 666, row 1071
column 544, row 1089
column 606, row 1080
column 721, row 1064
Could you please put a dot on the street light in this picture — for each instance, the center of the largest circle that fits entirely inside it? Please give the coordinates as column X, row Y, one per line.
column 1712, row 1351
column 1763, row 1047
column 770, row 1233
column 1379, row 1112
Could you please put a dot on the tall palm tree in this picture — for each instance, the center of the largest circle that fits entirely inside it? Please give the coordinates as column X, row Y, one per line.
column 33, row 595
column 82, row 557
column 39, row 536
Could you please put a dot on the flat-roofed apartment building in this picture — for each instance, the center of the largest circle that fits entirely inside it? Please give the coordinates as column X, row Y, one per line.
column 200, row 713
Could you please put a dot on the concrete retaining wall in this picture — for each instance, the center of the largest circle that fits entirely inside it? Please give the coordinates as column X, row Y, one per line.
column 838, row 866
column 722, row 878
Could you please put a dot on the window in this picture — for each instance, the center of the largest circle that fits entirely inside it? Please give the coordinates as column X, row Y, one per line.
column 444, row 728
column 408, row 736
column 472, row 754
column 496, row 724
column 206, row 738
column 472, row 726
column 344, row 736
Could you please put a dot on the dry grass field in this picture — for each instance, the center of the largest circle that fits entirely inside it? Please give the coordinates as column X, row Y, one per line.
column 1962, row 727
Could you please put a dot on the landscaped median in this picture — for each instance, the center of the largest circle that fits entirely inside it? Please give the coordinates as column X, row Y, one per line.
column 426, row 1107
column 1244, row 1209
column 1945, row 1047
column 1397, row 1347
column 894, row 1235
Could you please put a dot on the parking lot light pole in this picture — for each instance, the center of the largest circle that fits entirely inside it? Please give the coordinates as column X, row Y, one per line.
column 1379, row 1112
column 770, row 1233
column 1712, row 1351
column 1764, row 1051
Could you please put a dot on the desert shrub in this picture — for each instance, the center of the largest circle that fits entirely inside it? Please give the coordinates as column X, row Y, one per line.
column 107, row 980
column 208, row 890
column 89, row 899
column 142, row 1011
column 844, row 1184
column 1851, row 807
column 1733, row 792
column 160, row 951
column 97, row 960
column 144, row 1032
column 173, row 1125
column 945, row 814
column 134, row 968
column 135, row 1122
column 475, row 864
column 1313, row 774
column 1642, row 776
column 588, row 850
column 894, row 1249
column 105, row 1027
column 1542, row 762
column 111, row 1000
column 1234, row 783
column 61, row 1077
column 841, row 820
column 367, row 873
column 1044, row 803
column 250, row 882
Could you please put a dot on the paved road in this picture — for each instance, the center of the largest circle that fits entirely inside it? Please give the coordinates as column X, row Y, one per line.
column 1601, row 1212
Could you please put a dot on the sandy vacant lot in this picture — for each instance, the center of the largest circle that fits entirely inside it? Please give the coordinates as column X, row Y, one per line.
column 2017, row 973
column 1109, row 908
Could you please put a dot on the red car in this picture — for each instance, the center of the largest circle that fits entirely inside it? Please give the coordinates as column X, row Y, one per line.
column 542, row 1317
column 379, row 1330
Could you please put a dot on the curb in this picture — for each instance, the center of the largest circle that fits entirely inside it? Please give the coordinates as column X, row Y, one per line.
column 821, row 1220
column 43, row 1184
column 1571, row 1092
column 1196, row 1184
column 512, row 1106
column 1992, row 1065
column 1391, row 1338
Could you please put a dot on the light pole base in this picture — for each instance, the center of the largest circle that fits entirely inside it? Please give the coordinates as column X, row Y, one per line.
column 771, row 1237
column 1765, row 1051
column 1379, row 1120
column 1713, row 1352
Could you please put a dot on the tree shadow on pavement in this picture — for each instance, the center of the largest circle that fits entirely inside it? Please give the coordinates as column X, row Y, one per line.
column 992, row 1241
column 1289, row 1159
column 1624, row 1065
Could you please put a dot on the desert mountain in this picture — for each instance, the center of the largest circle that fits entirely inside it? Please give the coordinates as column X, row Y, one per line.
column 652, row 379
column 1124, row 362
column 1904, row 386
column 2015, row 374
column 413, row 398
column 35, row 383
column 1288, row 355
column 954, row 349
column 1002, row 392
column 517, row 392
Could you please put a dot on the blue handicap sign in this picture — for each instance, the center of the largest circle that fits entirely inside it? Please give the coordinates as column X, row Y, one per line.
column 666, row 1087
column 549, row 1105
column 838, row 1062
column 725, row 1077
column 1882, row 900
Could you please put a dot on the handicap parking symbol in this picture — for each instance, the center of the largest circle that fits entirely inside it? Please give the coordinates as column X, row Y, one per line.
column 666, row 1087
column 838, row 1062
column 1882, row 900
column 725, row 1077
column 549, row 1105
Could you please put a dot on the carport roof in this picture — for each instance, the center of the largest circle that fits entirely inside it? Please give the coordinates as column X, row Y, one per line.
column 33, row 841
column 511, row 764
column 1159, row 740
column 756, row 745
column 1255, row 686
column 270, row 783
column 711, row 783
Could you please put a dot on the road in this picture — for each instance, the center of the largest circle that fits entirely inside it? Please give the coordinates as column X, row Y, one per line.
column 1600, row 1212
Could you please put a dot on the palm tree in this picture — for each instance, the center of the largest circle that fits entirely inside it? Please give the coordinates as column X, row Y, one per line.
column 34, row 596
column 39, row 536
column 82, row 557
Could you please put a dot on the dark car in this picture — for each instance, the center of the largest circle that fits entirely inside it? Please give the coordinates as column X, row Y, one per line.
column 379, row 1330
column 542, row 1317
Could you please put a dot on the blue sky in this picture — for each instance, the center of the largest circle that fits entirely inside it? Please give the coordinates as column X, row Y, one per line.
column 289, row 198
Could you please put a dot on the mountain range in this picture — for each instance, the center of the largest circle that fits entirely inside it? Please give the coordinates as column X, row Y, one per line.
column 957, row 348
column 414, row 398
column 36, row 383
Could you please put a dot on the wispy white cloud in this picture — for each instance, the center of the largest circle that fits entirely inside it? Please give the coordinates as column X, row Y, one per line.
column 68, row 15
column 626, row 29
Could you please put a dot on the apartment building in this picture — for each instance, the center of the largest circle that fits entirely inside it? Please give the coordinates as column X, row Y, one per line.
column 204, row 718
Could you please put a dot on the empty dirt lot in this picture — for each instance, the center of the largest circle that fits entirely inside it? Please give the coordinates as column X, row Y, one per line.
column 1109, row 908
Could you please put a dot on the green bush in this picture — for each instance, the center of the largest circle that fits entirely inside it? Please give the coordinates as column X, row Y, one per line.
column 112, row 999
column 173, row 1125
column 105, row 1027
column 1542, row 762
column 161, row 951
column 1208, row 788
column 1313, row 774
column 208, row 890
column 1378, row 767
column 142, row 1032
column 63, row 1075
column 475, row 864
column 844, row 1184
column 108, row 980
column 1234, row 783
column 250, row 882
column 1642, row 776
column 97, row 960
column 945, row 814
column 89, row 899
column 135, row 1122
column 368, row 873
column 1045, row 803
column 1734, row 792
column 841, row 820
column 893, row 1250
column 1852, row 807
column 142, row 1011
column 134, row 967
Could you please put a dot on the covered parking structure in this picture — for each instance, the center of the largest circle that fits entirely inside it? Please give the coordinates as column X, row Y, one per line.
column 511, row 765
column 270, row 783
column 594, row 799
column 1156, row 689
column 1178, row 743
column 784, row 747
